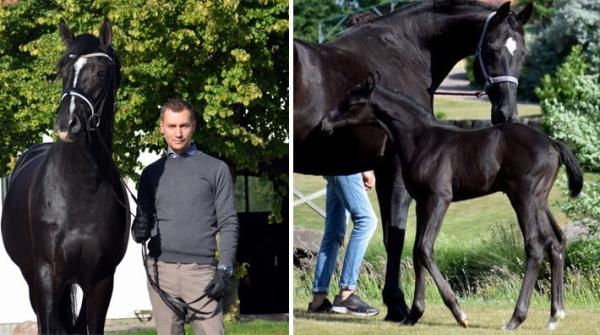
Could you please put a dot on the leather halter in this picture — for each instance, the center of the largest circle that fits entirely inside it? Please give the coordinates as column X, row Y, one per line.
column 488, row 80
column 94, row 120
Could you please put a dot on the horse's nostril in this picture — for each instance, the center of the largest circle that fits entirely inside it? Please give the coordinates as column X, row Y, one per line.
column 74, row 124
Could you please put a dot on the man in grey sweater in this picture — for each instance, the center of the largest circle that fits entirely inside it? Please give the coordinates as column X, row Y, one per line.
column 185, row 198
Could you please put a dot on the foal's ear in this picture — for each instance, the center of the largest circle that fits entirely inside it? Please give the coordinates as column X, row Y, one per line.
column 525, row 14
column 502, row 12
column 371, row 81
column 66, row 34
column 106, row 33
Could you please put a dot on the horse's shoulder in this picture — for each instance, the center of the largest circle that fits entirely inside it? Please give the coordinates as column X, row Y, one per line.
column 32, row 154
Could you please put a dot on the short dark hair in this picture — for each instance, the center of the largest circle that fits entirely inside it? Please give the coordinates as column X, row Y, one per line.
column 177, row 105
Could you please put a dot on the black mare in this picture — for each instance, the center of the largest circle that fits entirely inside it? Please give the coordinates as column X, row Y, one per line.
column 442, row 164
column 65, row 220
column 415, row 48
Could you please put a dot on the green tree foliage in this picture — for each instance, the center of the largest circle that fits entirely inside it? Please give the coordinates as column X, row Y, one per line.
column 543, row 9
column 229, row 58
column 574, row 22
column 570, row 100
column 308, row 13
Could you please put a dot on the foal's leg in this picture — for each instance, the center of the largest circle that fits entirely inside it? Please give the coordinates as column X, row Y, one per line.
column 430, row 213
column 556, row 254
column 394, row 202
column 529, row 222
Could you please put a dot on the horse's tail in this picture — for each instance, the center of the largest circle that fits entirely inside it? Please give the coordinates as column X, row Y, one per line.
column 574, row 172
column 67, row 308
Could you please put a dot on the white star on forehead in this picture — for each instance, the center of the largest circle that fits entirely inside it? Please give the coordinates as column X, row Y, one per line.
column 511, row 45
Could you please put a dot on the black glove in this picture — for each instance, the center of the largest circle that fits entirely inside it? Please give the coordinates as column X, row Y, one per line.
column 141, row 228
column 220, row 285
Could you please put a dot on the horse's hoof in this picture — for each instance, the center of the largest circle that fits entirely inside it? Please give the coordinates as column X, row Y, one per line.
column 393, row 317
column 408, row 321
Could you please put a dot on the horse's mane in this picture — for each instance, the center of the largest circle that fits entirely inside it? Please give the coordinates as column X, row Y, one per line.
column 437, row 6
column 83, row 44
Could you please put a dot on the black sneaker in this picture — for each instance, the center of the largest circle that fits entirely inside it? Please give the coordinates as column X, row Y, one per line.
column 324, row 307
column 353, row 305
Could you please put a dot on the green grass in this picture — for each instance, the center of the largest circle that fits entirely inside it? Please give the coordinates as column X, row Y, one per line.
column 255, row 327
column 484, row 318
column 459, row 108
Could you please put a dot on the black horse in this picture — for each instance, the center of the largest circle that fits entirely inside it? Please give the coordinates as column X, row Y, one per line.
column 441, row 164
column 415, row 47
column 65, row 220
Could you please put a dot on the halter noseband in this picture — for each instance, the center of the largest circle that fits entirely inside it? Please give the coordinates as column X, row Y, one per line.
column 489, row 81
column 94, row 120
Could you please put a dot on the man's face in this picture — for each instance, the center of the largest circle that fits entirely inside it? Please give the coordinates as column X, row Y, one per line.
column 177, row 129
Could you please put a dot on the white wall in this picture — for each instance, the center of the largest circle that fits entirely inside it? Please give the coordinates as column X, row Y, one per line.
column 129, row 294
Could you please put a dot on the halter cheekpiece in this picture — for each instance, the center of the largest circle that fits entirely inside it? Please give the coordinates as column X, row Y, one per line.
column 94, row 120
column 488, row 80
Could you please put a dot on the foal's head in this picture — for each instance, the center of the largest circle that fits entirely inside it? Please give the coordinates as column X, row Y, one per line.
column 90, row 75
column 500, row 54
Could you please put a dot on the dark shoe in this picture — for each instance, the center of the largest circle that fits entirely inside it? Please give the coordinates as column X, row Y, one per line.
column 325, row 307
column 353, row 305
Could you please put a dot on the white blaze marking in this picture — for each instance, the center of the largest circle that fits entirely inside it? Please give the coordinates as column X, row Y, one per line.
column 78, row 66
column 511, row 45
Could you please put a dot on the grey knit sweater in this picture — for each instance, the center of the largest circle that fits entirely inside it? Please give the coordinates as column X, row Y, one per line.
column 192, row 199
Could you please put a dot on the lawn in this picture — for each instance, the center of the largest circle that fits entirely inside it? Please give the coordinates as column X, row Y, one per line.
column 254, row 327
column 484, row 319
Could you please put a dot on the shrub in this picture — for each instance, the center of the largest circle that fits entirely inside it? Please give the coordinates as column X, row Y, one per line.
column 574, row 22
column 570, row 101
column 583, row 255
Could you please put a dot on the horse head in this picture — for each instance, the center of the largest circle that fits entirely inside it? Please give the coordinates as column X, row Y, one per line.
column 498, row 59
column 90, row 74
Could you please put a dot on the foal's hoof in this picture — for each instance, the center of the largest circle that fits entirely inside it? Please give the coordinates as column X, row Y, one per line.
column 552, row 324
column 463, row 320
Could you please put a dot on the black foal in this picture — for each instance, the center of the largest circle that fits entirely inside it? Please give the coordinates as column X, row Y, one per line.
column 441, row 164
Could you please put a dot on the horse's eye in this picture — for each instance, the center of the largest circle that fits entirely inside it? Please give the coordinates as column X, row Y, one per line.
column 101, row 74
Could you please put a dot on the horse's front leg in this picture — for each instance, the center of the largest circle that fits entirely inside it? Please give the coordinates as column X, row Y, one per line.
column 430, row 213
column 46, row 291
column 394, row 202
column 98, row 299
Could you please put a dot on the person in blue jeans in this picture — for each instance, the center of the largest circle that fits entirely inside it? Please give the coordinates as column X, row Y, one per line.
column 345, row 195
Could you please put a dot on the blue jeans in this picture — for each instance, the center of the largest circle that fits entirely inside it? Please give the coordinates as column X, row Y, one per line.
column 344, row 193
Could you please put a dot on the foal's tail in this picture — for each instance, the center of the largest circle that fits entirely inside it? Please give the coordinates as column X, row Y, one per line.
column 574, row 172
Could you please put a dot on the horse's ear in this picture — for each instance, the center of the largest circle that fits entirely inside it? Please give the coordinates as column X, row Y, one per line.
column 66, row 34
column 106, row 33
column 502, row 12
column 525, row 14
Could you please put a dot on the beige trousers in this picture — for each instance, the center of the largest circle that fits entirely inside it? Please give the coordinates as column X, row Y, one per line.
column 185, row 281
